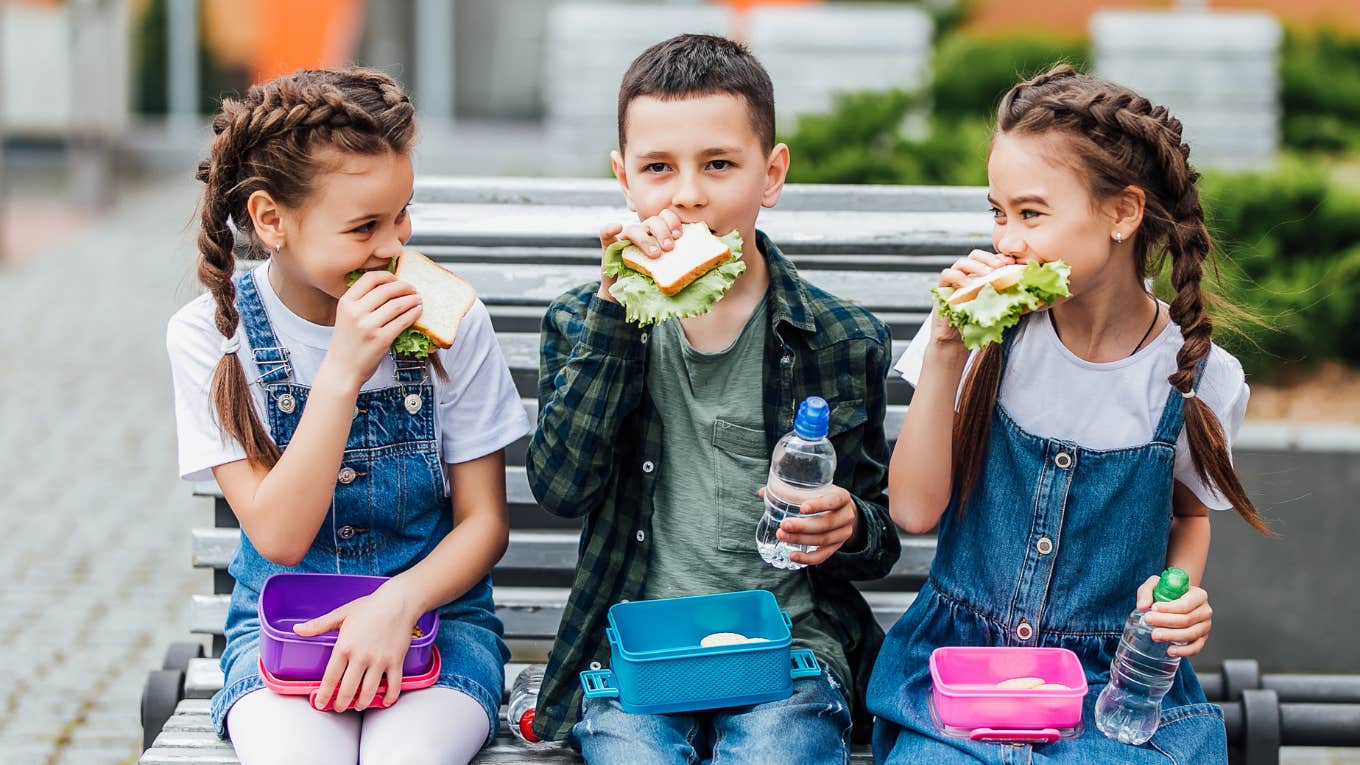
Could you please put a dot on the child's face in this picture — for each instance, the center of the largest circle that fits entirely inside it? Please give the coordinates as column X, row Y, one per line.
column 356, row 218
column 1043, row 211
column 700, row 158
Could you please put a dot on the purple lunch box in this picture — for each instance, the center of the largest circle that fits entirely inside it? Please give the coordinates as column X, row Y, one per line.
column 289, row 599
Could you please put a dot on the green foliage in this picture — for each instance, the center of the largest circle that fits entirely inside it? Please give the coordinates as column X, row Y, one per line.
column 970, row 74
column 1320, row 92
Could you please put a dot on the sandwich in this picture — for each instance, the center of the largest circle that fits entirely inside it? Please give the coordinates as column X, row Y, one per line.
column 446, row 298
column 685, row 281
column 986, row 306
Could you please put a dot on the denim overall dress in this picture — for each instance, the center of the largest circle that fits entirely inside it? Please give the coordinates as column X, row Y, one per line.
column 389, row 511
column 1051, row 551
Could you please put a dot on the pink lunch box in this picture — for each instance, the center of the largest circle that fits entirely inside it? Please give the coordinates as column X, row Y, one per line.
column 967, row 702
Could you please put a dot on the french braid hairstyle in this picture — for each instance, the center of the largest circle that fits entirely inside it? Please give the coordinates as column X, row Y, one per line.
column 1116, row 139
column 269, row 141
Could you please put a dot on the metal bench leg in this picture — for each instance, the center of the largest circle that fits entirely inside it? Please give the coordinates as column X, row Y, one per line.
column 165, row 688
column 1261, row 719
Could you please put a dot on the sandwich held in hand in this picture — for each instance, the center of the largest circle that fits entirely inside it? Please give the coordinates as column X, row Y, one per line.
column 445, row 296
column 685, row 281
column 983, row 308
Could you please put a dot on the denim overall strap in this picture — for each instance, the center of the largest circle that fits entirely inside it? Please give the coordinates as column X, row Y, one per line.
column 1169, row 428
column 271, row 358
column 408, row 370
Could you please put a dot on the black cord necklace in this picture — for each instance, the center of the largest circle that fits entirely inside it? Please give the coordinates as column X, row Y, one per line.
column 1156, row 313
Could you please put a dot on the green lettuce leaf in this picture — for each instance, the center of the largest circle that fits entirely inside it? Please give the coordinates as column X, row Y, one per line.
column 982, row 320
column 411, row 342
column 644, row 304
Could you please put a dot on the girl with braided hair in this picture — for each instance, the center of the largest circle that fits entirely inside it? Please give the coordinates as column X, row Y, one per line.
column 336, row 455
column 1067, row 465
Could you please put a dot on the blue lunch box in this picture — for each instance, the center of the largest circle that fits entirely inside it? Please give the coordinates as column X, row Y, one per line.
column 658, row 666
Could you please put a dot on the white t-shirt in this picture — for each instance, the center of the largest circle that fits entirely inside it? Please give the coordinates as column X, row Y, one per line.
column 1052, row 393
column 479, row 410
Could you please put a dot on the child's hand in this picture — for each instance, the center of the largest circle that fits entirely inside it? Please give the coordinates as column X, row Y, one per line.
column 375, row 632
column 653, row 236
column 827, row 532
column 977, row 263
column 368, row 318
column 1186, row 619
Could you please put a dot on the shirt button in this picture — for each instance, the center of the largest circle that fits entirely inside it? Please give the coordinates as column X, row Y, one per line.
column 347, row 474
column 1024, row 631
column 641, row 537
column 1063, row 460
column 644, row 338
column 1044, row 545
column 648, row 467
column 786, row 360
column 345, row 532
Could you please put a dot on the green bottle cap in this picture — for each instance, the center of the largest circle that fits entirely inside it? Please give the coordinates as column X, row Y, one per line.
column 1173, row 584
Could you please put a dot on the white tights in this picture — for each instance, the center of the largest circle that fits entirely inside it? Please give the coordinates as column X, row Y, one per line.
column 432, row 725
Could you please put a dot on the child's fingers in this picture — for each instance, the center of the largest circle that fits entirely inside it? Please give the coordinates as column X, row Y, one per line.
column 641, row 236
column 610, row 234
column 394, row 308
column 383, row 294
column 661, row 231
column 349, row 687
column 394, row 678
column 816, row 557
column 1145, row 593
column 335, row 670
column 1189, row 649
column 834, row 536
column 1188, row 635
column 323, row 623
column 368, row 688
column 672, row 220
column 991, row 258
column 368, row 282
column 1190, row 601
column 1179, row 621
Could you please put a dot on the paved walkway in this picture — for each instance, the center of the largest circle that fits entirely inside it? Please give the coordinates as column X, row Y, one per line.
column 95, row 568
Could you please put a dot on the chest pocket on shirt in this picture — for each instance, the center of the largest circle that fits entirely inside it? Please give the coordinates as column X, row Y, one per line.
column 741, row 463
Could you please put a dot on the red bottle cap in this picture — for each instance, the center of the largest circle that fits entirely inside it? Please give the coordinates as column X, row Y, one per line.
column 526, row 726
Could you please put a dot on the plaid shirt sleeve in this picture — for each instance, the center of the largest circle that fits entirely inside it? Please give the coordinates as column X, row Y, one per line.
column 868, row 479
column 590, row 378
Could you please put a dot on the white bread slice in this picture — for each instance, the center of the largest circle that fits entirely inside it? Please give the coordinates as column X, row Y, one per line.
column 445, row 296
column 696, row 252
column 1000, row 279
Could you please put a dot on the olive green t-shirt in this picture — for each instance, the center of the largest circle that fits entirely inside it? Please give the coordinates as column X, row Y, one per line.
column 714, row 459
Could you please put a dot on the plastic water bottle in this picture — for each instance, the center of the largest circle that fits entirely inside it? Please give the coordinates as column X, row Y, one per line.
column 1130, row 707
column 801, row 468
column 523, row 699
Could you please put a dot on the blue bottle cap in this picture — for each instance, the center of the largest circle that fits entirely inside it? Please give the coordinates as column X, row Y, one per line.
column 813, row 414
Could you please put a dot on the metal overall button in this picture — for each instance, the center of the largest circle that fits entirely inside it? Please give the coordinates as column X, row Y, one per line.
column 347, row 474
column 413, row 402
column 1024, row 631
column 1063, row 460
column 345, row 532
column 286, row 403
column 1044, row 545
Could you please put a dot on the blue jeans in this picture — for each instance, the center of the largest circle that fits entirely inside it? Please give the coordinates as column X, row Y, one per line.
column 812, row 725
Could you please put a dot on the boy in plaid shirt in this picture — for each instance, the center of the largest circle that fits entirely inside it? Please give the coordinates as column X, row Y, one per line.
column 654, row 438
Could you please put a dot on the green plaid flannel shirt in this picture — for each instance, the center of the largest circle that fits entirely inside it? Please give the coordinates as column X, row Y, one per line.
column 598, row 447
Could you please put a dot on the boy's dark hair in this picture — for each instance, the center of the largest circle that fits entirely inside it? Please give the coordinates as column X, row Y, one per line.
column 701, row 65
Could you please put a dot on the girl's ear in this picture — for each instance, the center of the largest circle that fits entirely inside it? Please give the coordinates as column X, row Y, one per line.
column 266, row 218
column 1126, row 211
column 776, row 171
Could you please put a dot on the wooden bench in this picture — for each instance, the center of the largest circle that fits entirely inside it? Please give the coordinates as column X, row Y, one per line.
column 522, row 243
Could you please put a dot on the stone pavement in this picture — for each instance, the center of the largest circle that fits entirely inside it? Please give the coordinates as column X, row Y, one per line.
column 96, row 564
